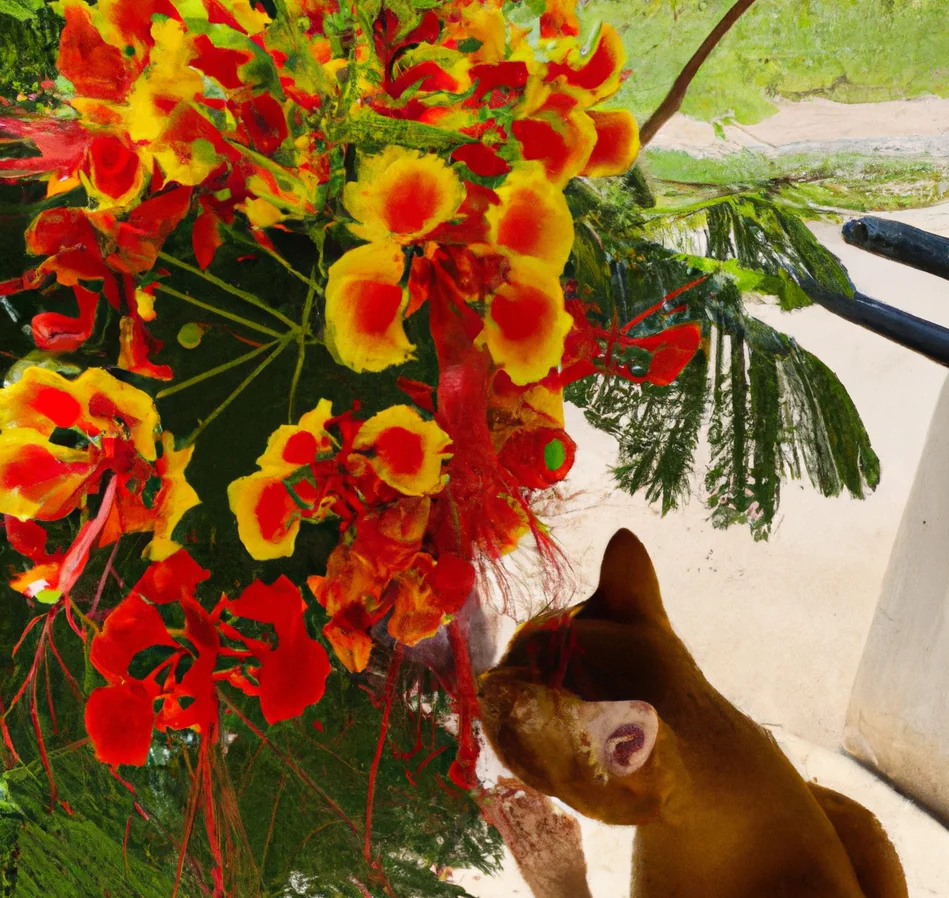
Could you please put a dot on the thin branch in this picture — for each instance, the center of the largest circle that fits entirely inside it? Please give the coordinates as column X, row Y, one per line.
column 900, row 242
column 259, row 247
column 253, row 325
column 394, row 666
column 281, row 345
column 670, row 105
column 303, row 776
column 213, row 372
column 301, row 344
column 255, row 301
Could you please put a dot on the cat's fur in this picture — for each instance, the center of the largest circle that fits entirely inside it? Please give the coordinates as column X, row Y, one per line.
column 604, row 708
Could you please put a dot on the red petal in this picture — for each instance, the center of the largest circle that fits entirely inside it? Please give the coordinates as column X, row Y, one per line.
column 482, row 160
column 673, row 349
column 421, row 394
column 510, row 75
column 452, row 582
column 172, row 579
column 29, row 539
column 131, row 627
column 56, row 332
column 56, row 229
column 141, row 236
column 62, row 145
column 427, row 76
column 95, row 68
column 280, row 604
column 523, row 454
column 221, row 64
column 112, row 165
column 133, row 18
column 119, row 721
column 136, row 345
column 266, row 122
column 292, row 677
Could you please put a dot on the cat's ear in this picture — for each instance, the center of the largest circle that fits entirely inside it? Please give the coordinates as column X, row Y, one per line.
column 628, row 588
column 621, row 735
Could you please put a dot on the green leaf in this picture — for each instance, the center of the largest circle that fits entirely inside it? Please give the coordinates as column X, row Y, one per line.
column 21, row 9
column 772, row 410
column 370, row 130
column 761, row 242
column 658, row 430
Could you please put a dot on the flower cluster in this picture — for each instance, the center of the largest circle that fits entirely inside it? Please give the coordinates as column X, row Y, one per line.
column 378, row 478
column 62, row 441
column 287, row 677
column 424, row 148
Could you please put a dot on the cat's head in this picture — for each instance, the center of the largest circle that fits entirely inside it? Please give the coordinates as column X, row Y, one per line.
column 571, row 709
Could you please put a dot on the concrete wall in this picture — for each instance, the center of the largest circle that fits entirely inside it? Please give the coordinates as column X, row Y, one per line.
column 898, row 720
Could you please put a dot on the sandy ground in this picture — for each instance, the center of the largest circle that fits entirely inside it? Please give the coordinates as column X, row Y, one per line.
column 902, row 126
column 779, row 627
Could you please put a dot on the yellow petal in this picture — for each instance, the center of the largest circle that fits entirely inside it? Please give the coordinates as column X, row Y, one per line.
column 262, row 213
column 293, row 445
column 364, row 307
column 169, row 77
column 526, row 322
column 402, row 195
column 617, row 143
column 268, row 519
column 175, row 497
column 533, row 218
column 38, row 479
column 407, row 451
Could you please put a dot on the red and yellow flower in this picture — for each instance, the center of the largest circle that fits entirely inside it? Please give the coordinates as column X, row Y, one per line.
column 402, row 195
column 268, row 510
column 526, row 322
column 405, row 451
column 103, row 427
column 365, row 307
column 532, row 217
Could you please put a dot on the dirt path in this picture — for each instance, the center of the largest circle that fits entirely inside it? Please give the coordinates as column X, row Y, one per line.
column 911, row 127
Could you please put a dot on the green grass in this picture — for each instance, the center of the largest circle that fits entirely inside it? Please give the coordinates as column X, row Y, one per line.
column 846, row 50
column 844, row 181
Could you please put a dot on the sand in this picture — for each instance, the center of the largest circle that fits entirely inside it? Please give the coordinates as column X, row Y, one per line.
column 779, row 627
column 910, row 127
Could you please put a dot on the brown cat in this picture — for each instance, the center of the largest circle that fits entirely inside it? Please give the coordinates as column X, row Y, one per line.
column 604, row 708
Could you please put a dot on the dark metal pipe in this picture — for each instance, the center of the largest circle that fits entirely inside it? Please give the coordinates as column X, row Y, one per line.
column 917, row 334
column 900, row 242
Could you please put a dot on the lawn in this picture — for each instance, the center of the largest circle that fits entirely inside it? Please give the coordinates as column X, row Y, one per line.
column 851, row 51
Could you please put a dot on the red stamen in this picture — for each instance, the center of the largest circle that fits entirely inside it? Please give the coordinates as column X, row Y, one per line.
column 394, row 666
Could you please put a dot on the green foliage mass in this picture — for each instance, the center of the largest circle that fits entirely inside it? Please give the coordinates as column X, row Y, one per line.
column 767, row 409
column 845, row 50
column 291, row 808
column 29, row 44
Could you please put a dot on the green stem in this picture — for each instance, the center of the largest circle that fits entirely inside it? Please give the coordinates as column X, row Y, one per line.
column 692, row 208
column 281, row 345
column 301, row 343
column 213, row 372
column 259, row 247
column 164, row 288
column 229, row 288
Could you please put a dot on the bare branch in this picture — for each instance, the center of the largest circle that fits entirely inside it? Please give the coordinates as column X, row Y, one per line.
column 670, row 105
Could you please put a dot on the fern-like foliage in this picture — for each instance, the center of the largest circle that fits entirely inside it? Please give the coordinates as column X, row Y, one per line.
column 767, row 409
